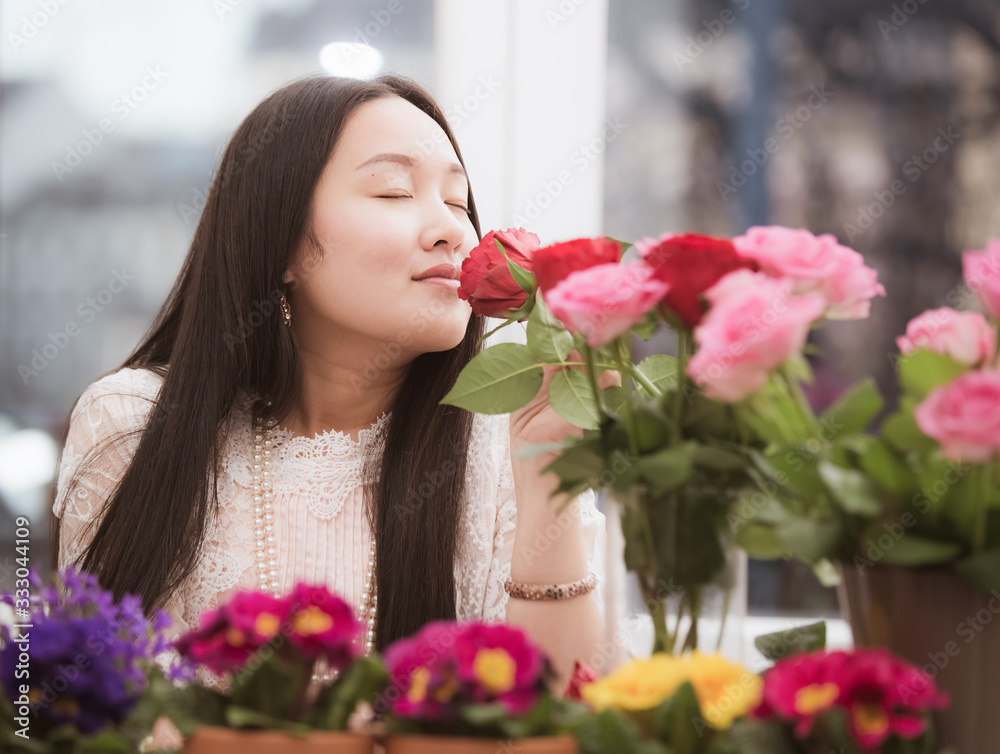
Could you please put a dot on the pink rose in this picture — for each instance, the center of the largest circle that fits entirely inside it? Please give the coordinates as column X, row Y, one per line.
column 982, row 274
column 754, row 325
column 605, row 300
column 964, row 336
column 816, row 264
column 964, row 416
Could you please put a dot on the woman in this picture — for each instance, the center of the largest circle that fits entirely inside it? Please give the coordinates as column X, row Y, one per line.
column 281, row 422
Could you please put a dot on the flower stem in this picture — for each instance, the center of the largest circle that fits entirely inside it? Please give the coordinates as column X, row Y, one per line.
column 588, row 356
column 682, row 349
column 982, row 497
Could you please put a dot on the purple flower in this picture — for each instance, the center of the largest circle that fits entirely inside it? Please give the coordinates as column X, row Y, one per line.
column 87, row 657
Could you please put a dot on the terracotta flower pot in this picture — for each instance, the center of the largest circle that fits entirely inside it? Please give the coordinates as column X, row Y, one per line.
column 214, row 740
column 454, row 745
column 934, row 619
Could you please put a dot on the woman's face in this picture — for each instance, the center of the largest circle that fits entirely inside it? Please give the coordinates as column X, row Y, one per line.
column 391, row 203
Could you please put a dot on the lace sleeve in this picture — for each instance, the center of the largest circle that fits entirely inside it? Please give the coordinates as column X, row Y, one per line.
column 495, row 605
column 104, row 432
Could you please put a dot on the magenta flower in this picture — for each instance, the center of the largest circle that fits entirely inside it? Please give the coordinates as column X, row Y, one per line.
column 447, row 665
column 322, row 624
column 497, row 662
column 227, row 637
column 881, row 695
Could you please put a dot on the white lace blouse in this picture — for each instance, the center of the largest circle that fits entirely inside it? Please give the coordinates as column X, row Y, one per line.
column 321, row 529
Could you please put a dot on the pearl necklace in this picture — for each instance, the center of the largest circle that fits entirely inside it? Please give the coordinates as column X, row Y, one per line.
column 267, row 555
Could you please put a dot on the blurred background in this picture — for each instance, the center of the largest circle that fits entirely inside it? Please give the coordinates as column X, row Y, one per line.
column 876, row 121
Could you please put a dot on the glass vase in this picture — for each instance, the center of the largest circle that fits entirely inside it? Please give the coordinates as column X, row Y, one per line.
column 675, row 582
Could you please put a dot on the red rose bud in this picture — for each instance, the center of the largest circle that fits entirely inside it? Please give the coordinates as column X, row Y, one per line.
column 582, row 675
column 486, row 282
column 555, row 263
column 691, row 264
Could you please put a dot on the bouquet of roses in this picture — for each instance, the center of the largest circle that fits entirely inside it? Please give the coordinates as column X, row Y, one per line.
column 679, row 443
column 78, row 670
column 267, row 648
column 923, row 490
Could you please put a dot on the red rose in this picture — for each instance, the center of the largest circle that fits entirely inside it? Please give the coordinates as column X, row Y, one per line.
column 554, row 263
column 486, row 282
column 582, row 675
column 691, row 264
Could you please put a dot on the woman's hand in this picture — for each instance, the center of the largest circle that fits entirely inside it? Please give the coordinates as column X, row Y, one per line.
column 537, row 422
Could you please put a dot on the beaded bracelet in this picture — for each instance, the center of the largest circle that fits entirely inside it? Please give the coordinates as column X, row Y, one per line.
column 551, row 591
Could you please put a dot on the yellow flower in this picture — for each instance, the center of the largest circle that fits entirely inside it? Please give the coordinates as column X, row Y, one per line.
column 725, row 690
column 640, row 685
column 495, row 669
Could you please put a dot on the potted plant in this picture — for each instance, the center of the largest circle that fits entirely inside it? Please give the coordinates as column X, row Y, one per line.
column 677, row 443
column 667, row 704
column 472, row 687
column 267, row 647
column 906, row 518
column 77, row 669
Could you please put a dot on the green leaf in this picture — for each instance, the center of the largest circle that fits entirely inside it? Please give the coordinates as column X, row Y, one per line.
column 761, row 542
column 760, row 737
column 810, row 539
column 548, row 340
column 852, row 413
column 902, row 431
column 675, row 721
column 669, row 468
column 105, row 742
column 571, row 397
column 888, row 469
column 661, row 370
column 923, row 370
column 826, row 573
column 851, row 489
column 521, row 276
column 614, row 398
column 781, row 644
column 718, row 459
column 648, row 326
column 483, row 714
column 981, row 570
column 501, row 379
column 912, row 550
column 362, row 681
column 794, row 466
column 244, row 717
column 613, row 731
column 269, row 688
column 575, row 464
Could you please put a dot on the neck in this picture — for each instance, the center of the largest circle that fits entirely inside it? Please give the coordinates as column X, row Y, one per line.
column 343, row 391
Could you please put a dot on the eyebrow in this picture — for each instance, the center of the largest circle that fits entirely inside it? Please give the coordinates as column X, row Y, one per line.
column 402, row 159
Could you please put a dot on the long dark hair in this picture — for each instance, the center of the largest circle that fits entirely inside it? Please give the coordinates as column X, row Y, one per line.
column 212, row 334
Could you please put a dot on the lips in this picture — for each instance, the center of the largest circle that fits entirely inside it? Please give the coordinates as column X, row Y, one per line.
column 448, row 271
column 443, row 282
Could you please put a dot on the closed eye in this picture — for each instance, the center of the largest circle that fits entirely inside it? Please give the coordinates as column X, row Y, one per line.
column 393, row 196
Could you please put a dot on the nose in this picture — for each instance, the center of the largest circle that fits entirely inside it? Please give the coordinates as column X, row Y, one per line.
column 444, row 230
